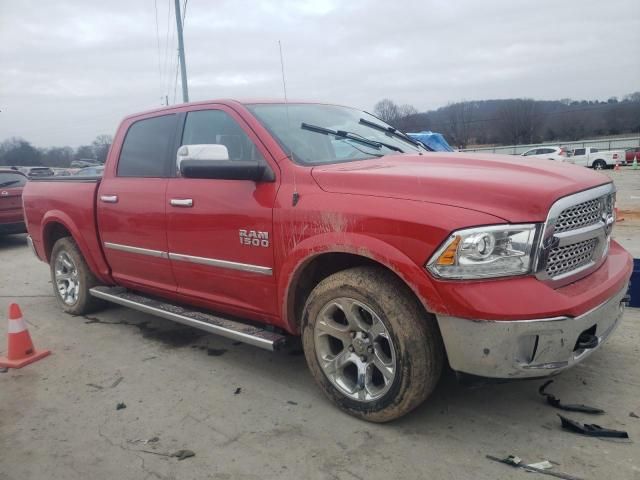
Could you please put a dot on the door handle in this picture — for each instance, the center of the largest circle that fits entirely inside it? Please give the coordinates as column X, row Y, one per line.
column 181, row 202
column 109, row 198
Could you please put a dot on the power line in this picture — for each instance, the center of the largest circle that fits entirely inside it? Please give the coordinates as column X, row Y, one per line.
column 155, row 5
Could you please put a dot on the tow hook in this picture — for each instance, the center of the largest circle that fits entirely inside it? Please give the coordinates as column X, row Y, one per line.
column 587, row 341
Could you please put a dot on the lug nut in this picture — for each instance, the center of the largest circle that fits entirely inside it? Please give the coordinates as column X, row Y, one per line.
column 370, row 349
column 363, row 358
column 353, row 334
column 351, row 348
column 364, row 335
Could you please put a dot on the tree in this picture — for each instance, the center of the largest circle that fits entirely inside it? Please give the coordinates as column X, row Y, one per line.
column 84, row 152
column 101, row 146
column 632, row 97
column 400, row 116
column 17, row 151
column 519, row 121
column 57, row 156
column 386, row 111
column 457, row 127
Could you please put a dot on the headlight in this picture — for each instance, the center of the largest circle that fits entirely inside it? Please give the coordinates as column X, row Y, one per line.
column 484, row 252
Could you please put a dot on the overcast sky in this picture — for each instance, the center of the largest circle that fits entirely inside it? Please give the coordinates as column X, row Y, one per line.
column 71, row 69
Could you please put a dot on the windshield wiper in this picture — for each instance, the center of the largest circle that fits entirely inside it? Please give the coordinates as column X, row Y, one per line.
column 393, row 131
column 349, row 135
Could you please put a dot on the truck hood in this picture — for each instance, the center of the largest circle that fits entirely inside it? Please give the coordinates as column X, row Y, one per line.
column 512, row 188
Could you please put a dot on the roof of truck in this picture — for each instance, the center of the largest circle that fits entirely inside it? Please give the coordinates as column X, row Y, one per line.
column 224, row 101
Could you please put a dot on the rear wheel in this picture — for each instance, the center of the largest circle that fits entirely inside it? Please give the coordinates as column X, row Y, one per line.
column 599, row 165
column 72, row 279
column 369, row 344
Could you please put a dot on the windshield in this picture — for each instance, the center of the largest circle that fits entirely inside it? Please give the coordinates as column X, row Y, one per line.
column 8, row 179
column 319, row 134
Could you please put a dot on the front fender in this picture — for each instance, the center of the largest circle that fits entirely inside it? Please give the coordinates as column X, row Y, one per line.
column 413, row 275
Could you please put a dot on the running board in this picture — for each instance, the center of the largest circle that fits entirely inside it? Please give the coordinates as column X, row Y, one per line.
column 232, row 329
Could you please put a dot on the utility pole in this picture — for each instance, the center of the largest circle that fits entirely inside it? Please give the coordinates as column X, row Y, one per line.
column 183, row 66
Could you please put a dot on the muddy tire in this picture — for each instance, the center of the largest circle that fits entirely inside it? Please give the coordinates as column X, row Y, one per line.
column 72, row 279
column 370, row 345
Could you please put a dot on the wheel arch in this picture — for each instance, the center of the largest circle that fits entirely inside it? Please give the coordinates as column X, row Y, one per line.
column 56, row 225
column 306, row 267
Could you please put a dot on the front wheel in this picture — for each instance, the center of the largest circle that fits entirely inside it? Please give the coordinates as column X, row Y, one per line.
column 599, row 165
column 72, row 279
column 369, row 344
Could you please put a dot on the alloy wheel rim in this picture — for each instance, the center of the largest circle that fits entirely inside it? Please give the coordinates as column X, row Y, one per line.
column 67, row 279
column 355, row 350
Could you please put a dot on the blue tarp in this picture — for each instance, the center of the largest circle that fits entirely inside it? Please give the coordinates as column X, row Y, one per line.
column 433, row 140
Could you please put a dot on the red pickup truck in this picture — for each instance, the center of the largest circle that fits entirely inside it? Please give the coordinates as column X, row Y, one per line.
column 261, row 221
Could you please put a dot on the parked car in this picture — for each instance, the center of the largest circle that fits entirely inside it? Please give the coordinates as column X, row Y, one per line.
column 91, row 171
column 39, row 172
column 387, row 262
column 84, row 163
column 596, row 159
column 11, row 217
column 631, row 153
column 550, row 153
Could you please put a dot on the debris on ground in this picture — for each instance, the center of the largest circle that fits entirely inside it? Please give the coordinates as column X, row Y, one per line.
column 555, row 402
column 120, row 406
column 291, row 402
column 216, row 352
column 591, row 430
column 633, row 415
column 117, row 382
column 544, row 465
column 516, row 462
column 93, row 385
column 238, row 390
column 146, row 442
column 182, row 454
column 4, row 369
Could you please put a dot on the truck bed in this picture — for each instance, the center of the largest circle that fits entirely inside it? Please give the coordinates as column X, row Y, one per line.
column 56, row 205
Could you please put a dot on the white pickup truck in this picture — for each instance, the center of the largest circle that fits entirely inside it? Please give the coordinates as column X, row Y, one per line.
column 599, row 160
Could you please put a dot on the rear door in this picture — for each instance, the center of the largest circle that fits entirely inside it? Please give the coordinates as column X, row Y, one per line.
column 220, row 235
column 11, row 185
column 131, row 205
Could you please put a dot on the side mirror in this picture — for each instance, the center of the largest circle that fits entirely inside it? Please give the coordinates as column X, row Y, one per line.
column 202, row 152
column 212, row 162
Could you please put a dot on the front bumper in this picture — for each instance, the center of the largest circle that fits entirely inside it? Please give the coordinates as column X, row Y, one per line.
column 526, row 348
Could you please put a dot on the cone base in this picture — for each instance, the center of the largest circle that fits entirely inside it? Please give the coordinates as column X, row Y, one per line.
column 35, row 356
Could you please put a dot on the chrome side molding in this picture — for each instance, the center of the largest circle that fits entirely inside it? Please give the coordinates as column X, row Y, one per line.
column 213, row 262
column 138, row 250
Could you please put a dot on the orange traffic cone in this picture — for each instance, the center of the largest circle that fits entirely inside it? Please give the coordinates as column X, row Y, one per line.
column 20, row 347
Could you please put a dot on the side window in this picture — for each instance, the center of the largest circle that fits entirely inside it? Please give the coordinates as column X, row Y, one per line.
column 547, row 150
column 579, row 151
column 530, row 152
column 594, row 150
column 218, row 127
column 145, row 151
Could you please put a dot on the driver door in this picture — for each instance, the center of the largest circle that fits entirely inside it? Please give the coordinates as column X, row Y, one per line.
column 219, row 232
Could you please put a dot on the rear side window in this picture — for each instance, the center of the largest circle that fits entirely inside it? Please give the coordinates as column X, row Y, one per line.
column 579, row 151
column 218, row 127
column 11, row 180
column 147, row 147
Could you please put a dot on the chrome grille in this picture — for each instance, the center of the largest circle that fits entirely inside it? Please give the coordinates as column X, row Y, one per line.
column 581, row 215
column 565, row 259
column 576, row 236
